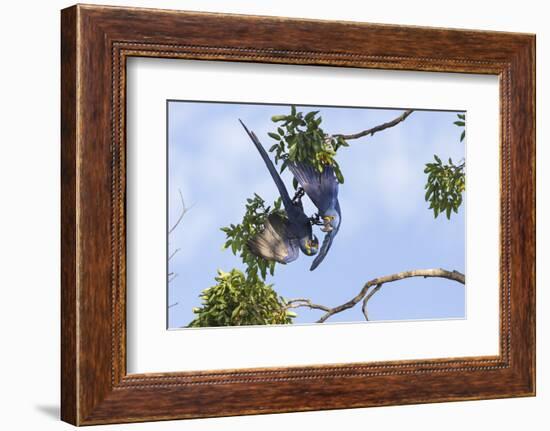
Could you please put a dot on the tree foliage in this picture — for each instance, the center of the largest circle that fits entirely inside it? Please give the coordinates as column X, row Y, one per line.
column 444, row 187
column 301, row 139
column 446, row 182
column 461, row 122
column 237, row 236
column 237, row 300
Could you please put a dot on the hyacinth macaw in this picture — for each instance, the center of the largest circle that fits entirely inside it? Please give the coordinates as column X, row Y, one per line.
column 282, row 237
column 322, row 189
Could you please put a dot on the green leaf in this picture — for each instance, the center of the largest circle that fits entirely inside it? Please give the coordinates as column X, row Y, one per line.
column 277, row 118
column 292, row 151
column 462, row 135
column 310, row 115
column 338, row 174
column 428, row 194
column 274, row 136
column 236, row 311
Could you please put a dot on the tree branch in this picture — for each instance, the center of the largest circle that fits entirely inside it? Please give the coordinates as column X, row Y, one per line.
column 184, row 209
column 375, row 129
column 367, row 297
column 376, row 284
column 304, row 302
column 173, row 254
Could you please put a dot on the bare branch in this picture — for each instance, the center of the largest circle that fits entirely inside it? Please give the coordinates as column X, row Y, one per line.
column 366, row 300
column 173, row 305
column 364, row 310
column 184, row 209
column 378, row 128
column 304, row 302
column 173, row 254
column 378, row 282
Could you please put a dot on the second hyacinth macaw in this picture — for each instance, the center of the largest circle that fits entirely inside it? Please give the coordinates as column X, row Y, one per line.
column 322, row 189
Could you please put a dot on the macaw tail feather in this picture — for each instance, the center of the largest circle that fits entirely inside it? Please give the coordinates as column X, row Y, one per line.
column 287, row 202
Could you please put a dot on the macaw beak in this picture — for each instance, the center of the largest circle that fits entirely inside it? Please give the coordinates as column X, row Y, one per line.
column 327, row 227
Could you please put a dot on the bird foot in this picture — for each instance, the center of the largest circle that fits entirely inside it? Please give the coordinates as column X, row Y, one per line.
column 298, row 196
column 316, row 220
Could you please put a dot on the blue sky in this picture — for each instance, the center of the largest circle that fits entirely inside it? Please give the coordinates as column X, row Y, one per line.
column 386, row 225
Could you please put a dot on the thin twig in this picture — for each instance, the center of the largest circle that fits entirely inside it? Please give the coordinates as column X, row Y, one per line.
column 304, row 302
column 375, row 129
column 366, row 300
column 184, row 209
column 173, row 253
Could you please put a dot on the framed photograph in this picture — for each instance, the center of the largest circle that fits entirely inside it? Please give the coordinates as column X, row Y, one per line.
column 264, row 214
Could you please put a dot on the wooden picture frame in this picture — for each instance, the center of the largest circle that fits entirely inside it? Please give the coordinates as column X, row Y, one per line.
column 95, row 43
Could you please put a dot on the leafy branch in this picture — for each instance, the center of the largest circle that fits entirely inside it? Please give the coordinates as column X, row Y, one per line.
column 461, row 122
column 237, row 236
column 444, row 187
column 300, row 138
column 446, row 183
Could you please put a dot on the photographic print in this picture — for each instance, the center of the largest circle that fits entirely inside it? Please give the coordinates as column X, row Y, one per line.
column 350, row 220
column 299, row 214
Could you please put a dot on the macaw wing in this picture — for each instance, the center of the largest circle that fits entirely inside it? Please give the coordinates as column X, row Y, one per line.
column 274, row 243
column 327, row 241
column 321, row 187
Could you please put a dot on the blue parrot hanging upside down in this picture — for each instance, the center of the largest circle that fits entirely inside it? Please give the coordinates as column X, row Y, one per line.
column 282, row 237
column 322, row 189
